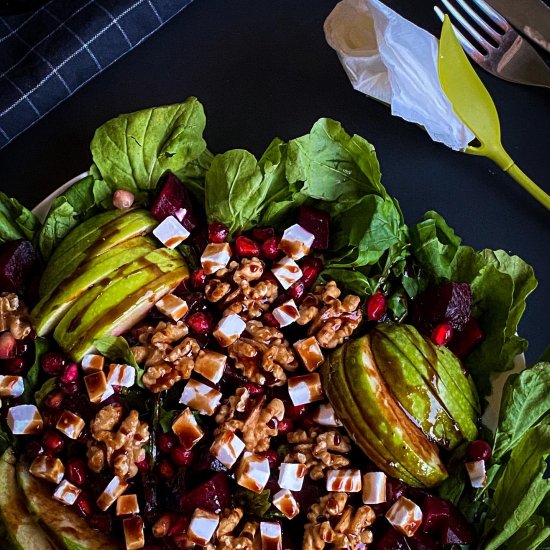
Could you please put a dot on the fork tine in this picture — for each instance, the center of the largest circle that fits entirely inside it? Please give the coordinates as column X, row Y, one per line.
column 466, row 24
column 480, row 22
column 493, row 15
column 473, row 52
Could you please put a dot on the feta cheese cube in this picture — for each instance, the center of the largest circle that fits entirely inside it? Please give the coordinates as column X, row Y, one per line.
column 215, row 256
column 97, row 387
column 47, row 467
column 92, row 362
column 70, row 424
column 285, row 502
column 202, row 527
column 24, row 420
column 210, row 364
column 227, row 448
column 405, row 516
column 291, row 476
column 326, row 416
column 344, row 481
column 229, row 329
column 134, row 536
column 201, row 397
column 271, row 535
column 287, row 272
column 114, row 489
column 296, row 241
column 310, row 353
column 253, row 472
column 66, row 493
column 173, row 307
column 186, row 428
column 121, row 375
column 170, row 232
column 127, row 505
column 476, row 473
column 374, row 488
column 11, row 386
column 305, row 389
column 286, row 313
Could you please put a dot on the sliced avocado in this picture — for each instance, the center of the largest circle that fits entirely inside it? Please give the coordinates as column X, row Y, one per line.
column 22, row 532
column 108, row 294
column 51, row 308
column 63, row 524
column 128, row 312
column 66, row 259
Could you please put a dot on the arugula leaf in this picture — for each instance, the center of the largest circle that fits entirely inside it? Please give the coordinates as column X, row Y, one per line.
column 255, row 504
column 49, row 385
column 520, row 489
column 525, row 400
column 16, row 221
column 80, row 201
column 531, row 534
column 117, row 348
column 133, row 150
column 41, row 345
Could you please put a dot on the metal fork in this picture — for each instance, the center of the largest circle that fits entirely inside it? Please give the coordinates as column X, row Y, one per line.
column 512, row 58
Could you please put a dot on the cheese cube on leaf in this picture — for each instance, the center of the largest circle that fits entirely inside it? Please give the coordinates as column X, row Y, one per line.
column 200, row 397
column 287, row 272
column 405, row 516
column 253, row 472
column 476, row 473
column 48, row 468
column 227, row 448
column 285, row 502
column 121, row 375
column 296, row 241
column 170, row 232
column 92, row 362
column 215, row 256
column 229, row 329
column 186, row 428
column 305, row 389
column 70, row 424
column 291, row 476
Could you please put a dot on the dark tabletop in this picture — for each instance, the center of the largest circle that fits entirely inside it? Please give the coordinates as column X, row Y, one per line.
column 263, row 68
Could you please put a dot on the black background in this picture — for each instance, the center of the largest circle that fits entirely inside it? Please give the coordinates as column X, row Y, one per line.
column 263, row 68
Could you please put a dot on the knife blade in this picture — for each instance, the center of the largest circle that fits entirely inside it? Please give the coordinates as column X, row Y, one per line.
column 530, row 17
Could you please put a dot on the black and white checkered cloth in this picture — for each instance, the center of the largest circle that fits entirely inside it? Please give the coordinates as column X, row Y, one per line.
column 47, row 55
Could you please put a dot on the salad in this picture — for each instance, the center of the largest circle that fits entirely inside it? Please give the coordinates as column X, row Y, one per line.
column 219, row 351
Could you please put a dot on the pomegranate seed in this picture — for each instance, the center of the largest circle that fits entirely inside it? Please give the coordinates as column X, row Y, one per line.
column 179, row 525
column 464, row 340
column 52, row 363
column 295, row 411
column 198, row 279
column 70, row 374
column 254, row 389
column 200, row 323
column 284, row 426
column 270, row 248
column 263, row 233
column 272, row 457
column 479, row 450
column 83, row 505
column 167, row 441
column 376, row 306
column 75, row 470
column 217, row 232
column 246, row 247
column 143, row 465
column 7, row 345
column 297, row 291
column 442, row 333
column 181, row 456
column 15, row 365
column 53, row 441
column 269, row 320
column 311, row 267
column 166, row 470
column 54, row 399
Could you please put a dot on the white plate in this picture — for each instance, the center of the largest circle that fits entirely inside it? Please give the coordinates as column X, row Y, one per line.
column 490, row 416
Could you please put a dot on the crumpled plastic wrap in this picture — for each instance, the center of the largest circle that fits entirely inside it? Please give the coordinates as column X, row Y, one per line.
column 390, row 59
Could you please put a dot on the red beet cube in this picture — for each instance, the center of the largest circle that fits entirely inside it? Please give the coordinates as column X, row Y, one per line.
column 263, row 233
column 466, row 339
column 174, row 200
column 391, row 540
column 213, row 495
column 443, row 519
column 316, row 222
column 18, row 259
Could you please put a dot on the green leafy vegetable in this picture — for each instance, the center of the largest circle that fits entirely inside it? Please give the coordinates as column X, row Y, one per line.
column 41, row 345
column 49, row 385
column 16, row 221
column 530, row 535
column 132, row 151
column 255, row 504
column 525, row 400
column 116, row 348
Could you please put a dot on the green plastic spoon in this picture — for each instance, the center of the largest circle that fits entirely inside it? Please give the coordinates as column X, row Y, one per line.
column 474, row 106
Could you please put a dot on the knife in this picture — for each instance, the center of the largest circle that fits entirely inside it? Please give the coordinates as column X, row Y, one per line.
column 531, row 17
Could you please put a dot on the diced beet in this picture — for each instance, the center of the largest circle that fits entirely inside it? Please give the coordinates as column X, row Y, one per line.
column 310, row 493
column 311, row 267
column 263, row 233
column 464, row 340
column 390, row 540
column 444, row 303
column 204, row 461
column 422, row 541
column 172, row 200
column 245, row 247
column 18, row 260
column 316, row 222
column 7, row 345
column 443, row 519
column 213, row 495
column 181, row 456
